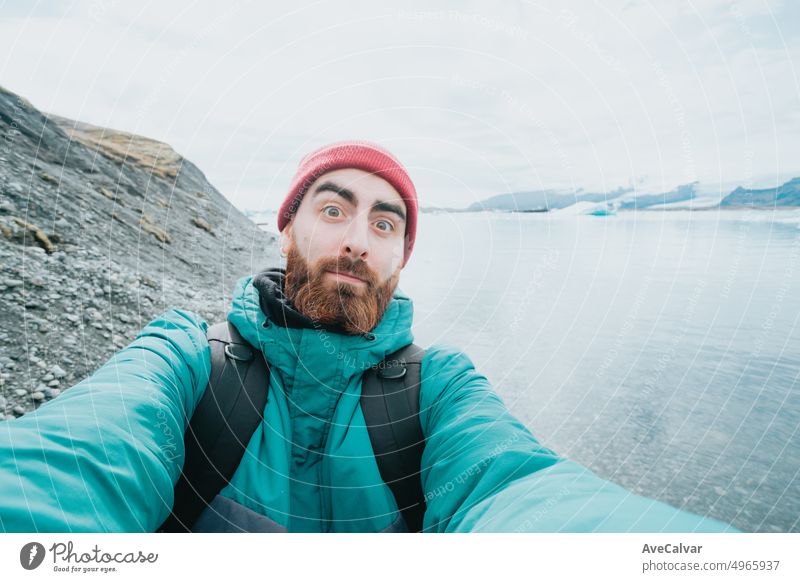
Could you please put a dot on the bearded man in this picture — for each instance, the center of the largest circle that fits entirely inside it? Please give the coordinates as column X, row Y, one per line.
column 323, row 454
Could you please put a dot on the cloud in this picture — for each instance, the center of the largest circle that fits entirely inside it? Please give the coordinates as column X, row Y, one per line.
column 475, row 98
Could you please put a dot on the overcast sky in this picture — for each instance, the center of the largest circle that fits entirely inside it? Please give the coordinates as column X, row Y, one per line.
column 476, row 98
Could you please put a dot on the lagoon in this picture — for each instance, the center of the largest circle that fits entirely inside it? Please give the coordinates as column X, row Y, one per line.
column 660, row 349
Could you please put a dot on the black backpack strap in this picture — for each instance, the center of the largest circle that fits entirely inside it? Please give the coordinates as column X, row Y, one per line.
column 390, row 403
column 222, row 424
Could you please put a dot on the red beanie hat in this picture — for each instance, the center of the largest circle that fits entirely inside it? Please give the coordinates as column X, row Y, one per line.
column 360, row 154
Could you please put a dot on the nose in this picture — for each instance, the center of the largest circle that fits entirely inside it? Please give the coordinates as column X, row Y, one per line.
column 355, row 242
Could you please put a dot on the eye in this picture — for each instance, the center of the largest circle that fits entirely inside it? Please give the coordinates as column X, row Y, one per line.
column 389, row 227
column 337, row 212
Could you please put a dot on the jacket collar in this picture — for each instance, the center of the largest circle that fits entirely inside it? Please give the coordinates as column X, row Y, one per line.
column 290, row 340
column 277, row 307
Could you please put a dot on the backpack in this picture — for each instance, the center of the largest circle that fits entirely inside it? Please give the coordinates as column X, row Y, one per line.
column 233, row 405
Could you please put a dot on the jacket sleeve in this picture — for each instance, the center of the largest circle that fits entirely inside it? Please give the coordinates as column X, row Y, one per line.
column 482, row 469
column 104, row 455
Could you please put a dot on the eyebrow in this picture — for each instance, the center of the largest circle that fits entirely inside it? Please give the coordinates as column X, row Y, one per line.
column 352, row 199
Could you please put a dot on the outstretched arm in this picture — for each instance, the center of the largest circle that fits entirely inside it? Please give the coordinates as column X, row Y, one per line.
column 482, row 470
column 104, row 456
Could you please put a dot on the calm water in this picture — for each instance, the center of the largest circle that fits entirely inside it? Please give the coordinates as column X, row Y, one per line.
column 661, row 349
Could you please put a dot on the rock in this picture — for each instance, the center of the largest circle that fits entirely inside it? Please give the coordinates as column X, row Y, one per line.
column 58, row 371
column 52, row 392
column 3, row 402
column 53, row 383
column 48, row 178
column 38, row 396
column 19, row 410
column 21, row 392
column 48, row 377
column 202, row 224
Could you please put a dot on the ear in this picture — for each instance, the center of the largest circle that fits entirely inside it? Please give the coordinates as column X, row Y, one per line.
column 286, row 239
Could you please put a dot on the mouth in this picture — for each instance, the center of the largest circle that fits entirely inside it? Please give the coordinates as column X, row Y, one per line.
column 346, row 277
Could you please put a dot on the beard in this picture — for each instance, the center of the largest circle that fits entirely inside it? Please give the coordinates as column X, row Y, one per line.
column 353, row 308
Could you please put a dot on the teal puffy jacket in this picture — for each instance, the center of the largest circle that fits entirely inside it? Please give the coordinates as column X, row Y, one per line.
column 105, row 455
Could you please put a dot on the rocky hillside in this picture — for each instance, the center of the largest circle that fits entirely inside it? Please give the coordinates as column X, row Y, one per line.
column 101, row 231
column 542, row 200
column 787, row 194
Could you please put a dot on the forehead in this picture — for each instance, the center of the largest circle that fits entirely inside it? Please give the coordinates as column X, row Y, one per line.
column 368, row 188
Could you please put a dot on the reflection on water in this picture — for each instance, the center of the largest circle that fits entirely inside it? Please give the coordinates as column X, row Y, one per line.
column 659, row 349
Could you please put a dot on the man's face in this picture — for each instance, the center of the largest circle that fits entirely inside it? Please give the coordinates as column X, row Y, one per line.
column 345, row 248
